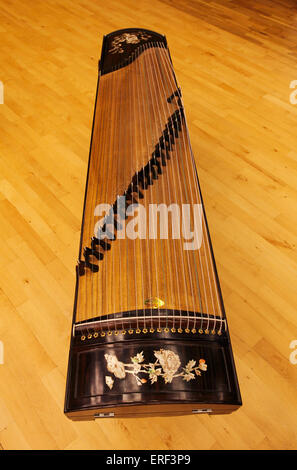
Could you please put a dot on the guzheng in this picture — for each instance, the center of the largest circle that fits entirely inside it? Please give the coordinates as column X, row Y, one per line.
column 149, row 332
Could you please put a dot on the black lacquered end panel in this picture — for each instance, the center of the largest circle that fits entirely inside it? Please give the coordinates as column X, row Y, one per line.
column 119, row 46
column 151, row 372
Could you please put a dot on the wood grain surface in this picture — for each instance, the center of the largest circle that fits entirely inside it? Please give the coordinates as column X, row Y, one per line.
column 235, row 61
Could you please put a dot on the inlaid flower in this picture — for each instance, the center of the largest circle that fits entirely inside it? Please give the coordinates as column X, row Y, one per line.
column 191, row 364
column 168, row 377
column 202, row 364
column 109, row 381
column 138, row 358
column 115, row 366
column 169, row 361
column 188, row 376
column 130, row 38
column 154, row 373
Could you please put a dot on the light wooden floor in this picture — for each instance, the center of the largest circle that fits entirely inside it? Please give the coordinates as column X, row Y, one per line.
column 235, row 61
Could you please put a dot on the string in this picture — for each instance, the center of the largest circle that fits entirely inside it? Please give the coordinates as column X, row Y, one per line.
column 124, row 215
column 148, row 89
column 150, row 54
column 173, row 157
column 110, row 153
column 197, row 188
column 169, row 270
column 141, row 94
column 131, row 67
column 92, row 180
column 157, row 64
column 137, row 180
column 185, row 187
column 134, row 72
column 172, row 89
column 105, row 289
column 148, row 47
column 115, row 160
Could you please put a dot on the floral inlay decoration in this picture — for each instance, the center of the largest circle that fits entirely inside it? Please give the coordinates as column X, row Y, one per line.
column 128, row 38
column 166, row 366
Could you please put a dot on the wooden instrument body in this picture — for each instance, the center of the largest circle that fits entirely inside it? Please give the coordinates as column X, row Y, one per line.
column 133, row 358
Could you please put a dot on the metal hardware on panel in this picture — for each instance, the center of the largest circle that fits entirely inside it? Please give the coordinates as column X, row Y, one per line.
column 203, row 410
column 103, row 415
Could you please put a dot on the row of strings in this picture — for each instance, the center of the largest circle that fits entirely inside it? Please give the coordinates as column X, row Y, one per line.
column 142, row 267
